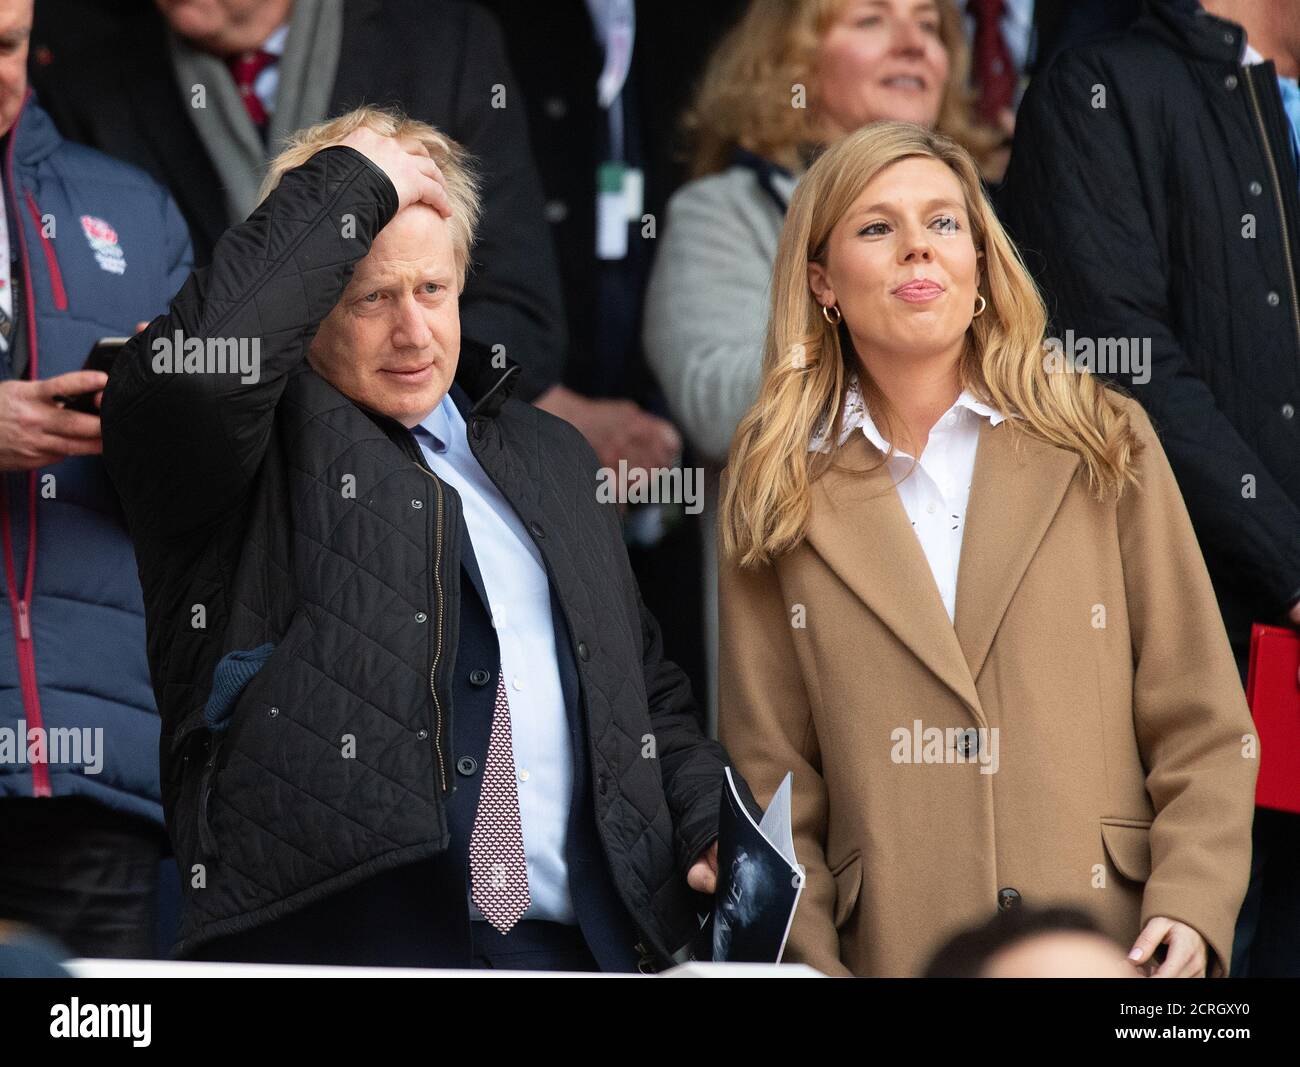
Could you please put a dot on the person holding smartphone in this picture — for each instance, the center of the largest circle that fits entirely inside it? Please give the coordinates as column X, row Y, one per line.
column 89, row 247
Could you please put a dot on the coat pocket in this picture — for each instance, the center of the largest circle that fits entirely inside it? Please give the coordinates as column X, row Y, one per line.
column 848, row 884
column 235, row 717
column 1128, row 844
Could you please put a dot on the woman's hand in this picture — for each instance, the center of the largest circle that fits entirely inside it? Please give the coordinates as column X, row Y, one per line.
column 1185, row 958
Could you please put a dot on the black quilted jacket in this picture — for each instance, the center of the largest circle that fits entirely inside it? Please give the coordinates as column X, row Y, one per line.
column 1153, row 192
column 280, row 511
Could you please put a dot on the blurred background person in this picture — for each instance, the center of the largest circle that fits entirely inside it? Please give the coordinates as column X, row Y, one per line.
column 602, row 99
column 1012, row 39
column 1032, row 943
column 930, row 715
column 1165, row 212
column 89, row 247
column 790, row 77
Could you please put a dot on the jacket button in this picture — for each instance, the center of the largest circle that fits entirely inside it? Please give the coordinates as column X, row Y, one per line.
column 1288, row 411
column 1230, row 82
column 1255, row 188
column 601, row 784
column 535, row 528
column 1273, row 298
column 421, row 617
column 556, row 211
column 417, row 504
column 478, row 427
column 423, row 735
column 1008, row 899
column 584, row 653
column 478, row 677
column 274, row 712
column 968, row 743
column 467, row 765
column 555, row 107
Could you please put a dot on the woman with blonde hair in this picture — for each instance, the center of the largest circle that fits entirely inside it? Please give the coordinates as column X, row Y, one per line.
column 962, row 601
column 791, row 77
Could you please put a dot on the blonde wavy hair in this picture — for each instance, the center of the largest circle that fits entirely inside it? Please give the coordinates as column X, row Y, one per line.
column 744, row 95
column 767, row 499
column 455, row 162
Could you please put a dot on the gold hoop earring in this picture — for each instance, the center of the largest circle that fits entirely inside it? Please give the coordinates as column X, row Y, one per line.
column 983, row 304
column 826, row 313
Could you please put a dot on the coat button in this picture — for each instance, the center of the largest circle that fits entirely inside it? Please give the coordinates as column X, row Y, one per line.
column 1007, row 899
column 423, row 735
column 1288, row 411
column 478, row 677
column 1274, row 298
column 467, row 765
column 968, row 743
column 421, row 617
column 1230, row 82
column 1255, row 188
column 556, row 211
column 584, row 653
column 535, row 528
column 556, row 107
column 274, row 712
column 417, row 504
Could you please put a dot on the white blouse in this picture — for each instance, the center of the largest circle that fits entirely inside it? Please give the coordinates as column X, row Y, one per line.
column 936, row 491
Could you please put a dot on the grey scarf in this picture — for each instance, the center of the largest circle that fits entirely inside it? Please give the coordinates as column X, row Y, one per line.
column 307, row 69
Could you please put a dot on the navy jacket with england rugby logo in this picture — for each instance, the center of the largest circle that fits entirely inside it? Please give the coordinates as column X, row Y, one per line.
column 97, row 247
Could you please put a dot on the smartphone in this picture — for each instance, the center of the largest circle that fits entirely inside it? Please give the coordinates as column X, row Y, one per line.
column 102, row 354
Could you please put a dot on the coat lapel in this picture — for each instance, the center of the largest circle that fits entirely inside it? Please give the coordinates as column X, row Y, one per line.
column 1017, row 488
column 858, row 526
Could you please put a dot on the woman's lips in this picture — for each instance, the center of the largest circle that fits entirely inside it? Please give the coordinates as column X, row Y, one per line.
column 918, row 292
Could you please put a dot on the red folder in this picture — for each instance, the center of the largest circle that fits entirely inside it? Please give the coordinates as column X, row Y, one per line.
column 1274, row 697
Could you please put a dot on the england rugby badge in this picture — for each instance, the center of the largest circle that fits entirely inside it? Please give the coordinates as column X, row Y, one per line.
column 103, row 242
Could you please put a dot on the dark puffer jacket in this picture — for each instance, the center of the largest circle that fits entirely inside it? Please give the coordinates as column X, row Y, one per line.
column 280, row 511
column 1153, row 190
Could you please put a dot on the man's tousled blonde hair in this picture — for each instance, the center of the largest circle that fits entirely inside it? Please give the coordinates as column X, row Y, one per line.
column 455, row 162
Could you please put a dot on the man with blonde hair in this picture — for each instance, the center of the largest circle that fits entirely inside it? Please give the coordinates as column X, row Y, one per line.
column 415, row 712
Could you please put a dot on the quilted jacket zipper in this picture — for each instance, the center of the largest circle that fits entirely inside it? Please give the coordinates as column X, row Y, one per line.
column 1281, row 205
column 437, row 644
column 20, row 601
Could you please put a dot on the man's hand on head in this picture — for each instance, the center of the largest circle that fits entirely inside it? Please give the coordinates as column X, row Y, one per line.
column 408, row 165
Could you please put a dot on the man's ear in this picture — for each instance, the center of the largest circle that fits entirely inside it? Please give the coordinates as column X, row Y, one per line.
column 820, row 284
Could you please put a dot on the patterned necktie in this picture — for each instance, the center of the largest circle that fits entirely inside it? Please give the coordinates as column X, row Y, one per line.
column 245, row 68
column 995, row 74
column 498, row 871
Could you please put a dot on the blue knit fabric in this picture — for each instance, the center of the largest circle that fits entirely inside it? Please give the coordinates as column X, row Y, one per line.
column 232, row 673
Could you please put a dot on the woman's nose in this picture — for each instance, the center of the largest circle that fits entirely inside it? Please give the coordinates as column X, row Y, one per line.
column 918, row 248
column 909, row 38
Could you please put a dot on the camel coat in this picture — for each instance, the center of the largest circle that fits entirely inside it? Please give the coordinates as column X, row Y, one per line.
column 1086, row 635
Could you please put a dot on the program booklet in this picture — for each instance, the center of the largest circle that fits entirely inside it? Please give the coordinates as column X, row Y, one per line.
column 759, row 882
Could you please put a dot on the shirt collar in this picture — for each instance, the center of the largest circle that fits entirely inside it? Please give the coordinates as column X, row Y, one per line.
column 1249, row 56
column 274, row 45
column 437, row 425
column 856, row 417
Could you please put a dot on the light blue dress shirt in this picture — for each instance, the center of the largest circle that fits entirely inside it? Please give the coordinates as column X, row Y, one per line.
column 514, row 576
